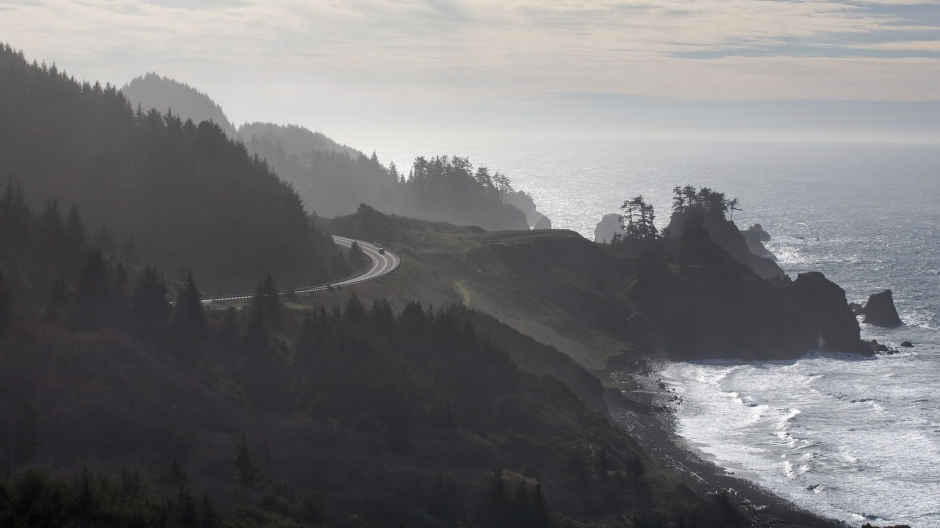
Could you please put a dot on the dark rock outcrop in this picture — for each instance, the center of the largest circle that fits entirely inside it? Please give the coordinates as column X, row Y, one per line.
column 609, row 226
column 907, row 344
column 880, row 310
column 708, row 305
column 818, row 306
column 524, row 202
column 857, row 309
column 727, row 235
column 754, row 240
column 758, row 231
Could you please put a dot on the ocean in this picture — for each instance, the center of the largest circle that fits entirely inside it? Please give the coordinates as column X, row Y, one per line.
column 857, row 439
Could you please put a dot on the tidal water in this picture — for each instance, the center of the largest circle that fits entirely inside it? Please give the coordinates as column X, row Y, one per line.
column 853, row 438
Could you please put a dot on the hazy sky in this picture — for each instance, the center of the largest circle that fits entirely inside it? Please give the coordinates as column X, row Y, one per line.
column 346, row 63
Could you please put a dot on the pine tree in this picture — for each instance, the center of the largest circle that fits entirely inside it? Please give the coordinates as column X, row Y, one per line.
column 357, row 258
column 497, row 490
column 189, row 318
column 74, row 234
column 540, row 515
column 56, row 304
column 104, row 240
column 92, row 292
column 210, row 519
column 264, row 316
column 149, row 306
column 247, row 472
column 5, row 305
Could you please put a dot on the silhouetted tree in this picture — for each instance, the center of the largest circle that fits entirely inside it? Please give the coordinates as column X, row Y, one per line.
column 639, row 220
column 57, row 302
column 189, row 318
column 91, row 307
column 264, row 316
column 247, row 472
column 104, row 240
column 5, row 305
column 149, row 306
column 540, row 514
column 26, row 433
column 357, row 258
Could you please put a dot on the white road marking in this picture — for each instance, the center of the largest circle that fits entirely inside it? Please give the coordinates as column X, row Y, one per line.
column 382, row 264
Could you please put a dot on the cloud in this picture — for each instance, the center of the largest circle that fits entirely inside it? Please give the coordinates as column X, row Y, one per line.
column 343, row 53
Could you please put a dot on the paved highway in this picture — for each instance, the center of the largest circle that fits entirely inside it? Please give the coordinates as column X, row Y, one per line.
column 384, row 261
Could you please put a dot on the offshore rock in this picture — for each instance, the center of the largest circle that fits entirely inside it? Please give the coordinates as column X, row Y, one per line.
column 524, row 202
column 880, row 310
column 543, row 223
column 758, row 231
column 609, row 226
column 754, row 240
column 907, row 344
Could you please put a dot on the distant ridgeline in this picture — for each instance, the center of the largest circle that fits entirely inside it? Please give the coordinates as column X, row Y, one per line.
column 190, row 197
column 333, row 179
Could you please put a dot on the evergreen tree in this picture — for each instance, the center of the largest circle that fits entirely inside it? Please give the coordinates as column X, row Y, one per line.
column 247, row 472
column 521, row 505
column 129, row 250
column 92, row 292
column 26, row 433
column 264, row 316
column 540, row 515
column 104, row 240
column 56, row 304
column 357, row 258
column 5, row 305
column 149, row 306
column 210, row 519
column 639, row 220
column 189, row 318
column 355, row 310
column 497, row 490
column 74, row 233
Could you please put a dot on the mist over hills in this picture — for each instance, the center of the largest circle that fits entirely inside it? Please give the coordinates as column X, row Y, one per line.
column 188, row 196
column 165, row 94
column 333, row 179
column 412, row 405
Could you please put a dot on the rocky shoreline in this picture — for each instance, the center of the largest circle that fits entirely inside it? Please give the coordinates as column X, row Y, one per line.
column 645, row 408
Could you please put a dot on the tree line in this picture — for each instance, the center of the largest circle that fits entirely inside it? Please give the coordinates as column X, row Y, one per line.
column 190, row 197
column 638, row 220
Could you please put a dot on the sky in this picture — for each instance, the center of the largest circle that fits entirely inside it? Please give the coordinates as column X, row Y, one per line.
column 858, row 67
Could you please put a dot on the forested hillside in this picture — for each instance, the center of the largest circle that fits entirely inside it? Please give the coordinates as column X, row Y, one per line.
column 333, row 179
column 188, row 196
column 165, row 94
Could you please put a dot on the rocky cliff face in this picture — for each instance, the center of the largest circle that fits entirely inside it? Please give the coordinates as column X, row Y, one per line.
column 710, row 305
column 727, row 235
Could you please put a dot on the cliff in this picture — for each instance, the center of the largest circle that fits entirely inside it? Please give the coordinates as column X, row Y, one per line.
column 673, row 298
column 727, row 235
column 706, row 304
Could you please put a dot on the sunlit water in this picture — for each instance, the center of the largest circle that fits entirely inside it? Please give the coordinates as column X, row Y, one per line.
column 856, row 439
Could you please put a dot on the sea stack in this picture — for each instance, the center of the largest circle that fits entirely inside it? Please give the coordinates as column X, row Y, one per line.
column 609, row 226
column 543, row 223
column 880, row 310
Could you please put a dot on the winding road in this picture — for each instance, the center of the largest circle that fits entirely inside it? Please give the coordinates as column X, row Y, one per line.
column 384, row 261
